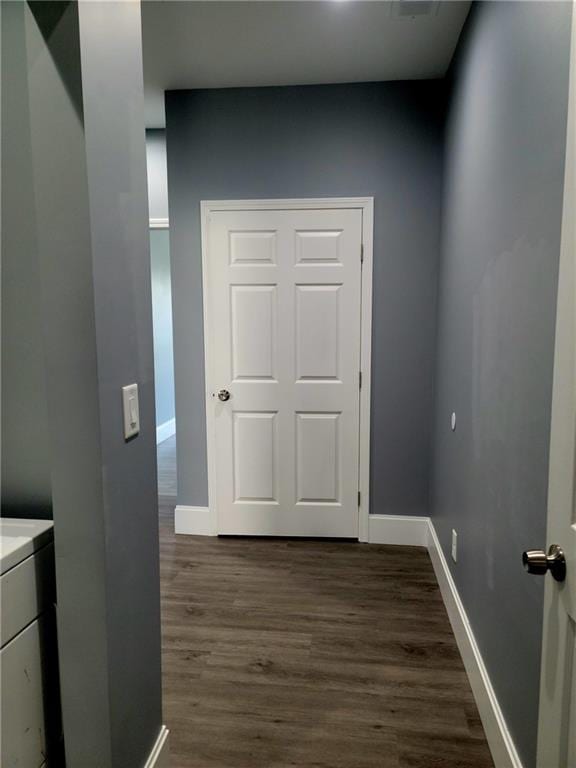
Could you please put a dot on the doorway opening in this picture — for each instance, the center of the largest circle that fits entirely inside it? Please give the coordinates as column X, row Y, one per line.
column 161, row 290
column 287, row 320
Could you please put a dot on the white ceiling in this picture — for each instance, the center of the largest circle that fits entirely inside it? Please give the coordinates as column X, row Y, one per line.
column 213, row 44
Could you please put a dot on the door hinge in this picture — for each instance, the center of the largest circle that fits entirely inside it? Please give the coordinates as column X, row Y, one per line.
column 361, row 253
column 358, row 498
column 359, row 379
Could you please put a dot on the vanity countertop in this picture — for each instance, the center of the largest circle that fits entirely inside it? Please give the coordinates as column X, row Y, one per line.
column 21, row 538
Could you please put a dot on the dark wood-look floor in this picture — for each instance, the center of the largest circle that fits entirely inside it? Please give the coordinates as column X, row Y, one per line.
column 314, row 654
column 166, row 462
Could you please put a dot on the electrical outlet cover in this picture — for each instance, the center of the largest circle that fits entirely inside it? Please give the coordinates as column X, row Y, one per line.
column 454, row 546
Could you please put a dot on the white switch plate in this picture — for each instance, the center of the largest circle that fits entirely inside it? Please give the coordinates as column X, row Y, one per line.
column 454, row 546
column 131, row 410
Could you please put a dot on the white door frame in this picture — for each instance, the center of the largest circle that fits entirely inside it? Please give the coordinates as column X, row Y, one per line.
column 366, row 205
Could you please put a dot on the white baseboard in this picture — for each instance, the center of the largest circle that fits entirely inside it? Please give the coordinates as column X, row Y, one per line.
column 499, row 739
column 166, row 430
column 159, row 757
column 398, row 529
column 195, row 521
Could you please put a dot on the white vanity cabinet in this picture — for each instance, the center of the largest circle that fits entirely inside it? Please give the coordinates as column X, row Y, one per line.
column 28, row 656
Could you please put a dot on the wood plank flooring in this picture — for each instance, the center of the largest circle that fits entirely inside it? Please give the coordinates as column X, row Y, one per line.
column 314, row 654
column 166, row 462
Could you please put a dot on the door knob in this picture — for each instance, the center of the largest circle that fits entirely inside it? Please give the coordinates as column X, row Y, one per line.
column 536, row 561
column 223, row 395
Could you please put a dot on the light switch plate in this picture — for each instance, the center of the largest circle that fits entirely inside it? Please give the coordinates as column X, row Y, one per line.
column 131, row 410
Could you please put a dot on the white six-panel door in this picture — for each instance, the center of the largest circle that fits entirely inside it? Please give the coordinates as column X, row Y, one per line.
column 283, row 308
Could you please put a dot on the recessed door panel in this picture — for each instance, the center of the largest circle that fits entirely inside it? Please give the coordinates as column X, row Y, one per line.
column 317, row 331
column 252, row 248
column 253, row 331
column 318, row 458
column 255, row 457
column 318, row 247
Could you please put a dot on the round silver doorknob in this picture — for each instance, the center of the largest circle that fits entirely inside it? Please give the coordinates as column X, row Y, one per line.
column 538, row 562
column 223, row 395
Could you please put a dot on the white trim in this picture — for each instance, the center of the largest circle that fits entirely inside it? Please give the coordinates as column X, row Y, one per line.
column 284, row 204
column 499, row 739
column 205, row 209
column 165, row 430
column 366, row 368
column 159, row 224
column 366, row 205
column 195, row 521
column 159, row 757
column 398, row 529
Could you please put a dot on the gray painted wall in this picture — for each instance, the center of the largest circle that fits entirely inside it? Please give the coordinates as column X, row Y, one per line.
column 383, row 140
column 505, row 147
column 26, row 486
column 157, row 173
column 58, row 215
column 76, row 187
column 111, row 51
column 162, row 323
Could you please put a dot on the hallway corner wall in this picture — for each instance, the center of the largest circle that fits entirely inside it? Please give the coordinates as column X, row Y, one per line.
column 502, row 206
column 75, row 191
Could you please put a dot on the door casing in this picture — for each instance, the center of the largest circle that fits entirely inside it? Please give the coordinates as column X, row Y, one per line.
column 366, row 205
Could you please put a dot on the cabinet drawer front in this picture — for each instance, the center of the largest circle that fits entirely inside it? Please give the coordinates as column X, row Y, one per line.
column 23, row 716
column 27, row 590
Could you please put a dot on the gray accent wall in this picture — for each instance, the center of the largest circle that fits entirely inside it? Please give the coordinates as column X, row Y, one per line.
column 162, row 323
column 157, row 173
column 75, row 191
column 377, row 139
column 111, row 53
column 505, row 145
